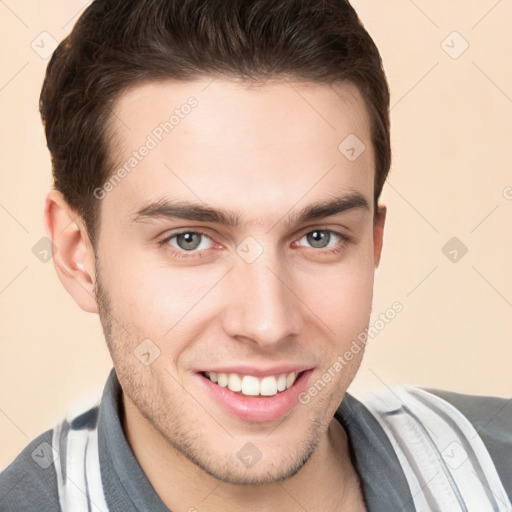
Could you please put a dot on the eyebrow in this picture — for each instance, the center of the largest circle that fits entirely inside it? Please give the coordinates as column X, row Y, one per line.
column 167, row 209
column 351, row 201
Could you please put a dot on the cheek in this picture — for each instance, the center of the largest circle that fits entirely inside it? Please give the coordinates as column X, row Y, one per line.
column 159, row 302
column 341, row 297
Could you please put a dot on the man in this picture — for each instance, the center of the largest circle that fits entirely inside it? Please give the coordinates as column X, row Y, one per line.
column 217, row 171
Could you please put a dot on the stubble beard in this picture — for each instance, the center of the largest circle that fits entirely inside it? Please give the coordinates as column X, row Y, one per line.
column 157, row 409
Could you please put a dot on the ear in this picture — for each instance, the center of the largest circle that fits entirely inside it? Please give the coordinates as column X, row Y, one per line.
column 378, row 233
column 74, row 257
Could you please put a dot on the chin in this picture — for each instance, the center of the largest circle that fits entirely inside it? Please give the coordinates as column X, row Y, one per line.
column 236, row 474
column 243, row 463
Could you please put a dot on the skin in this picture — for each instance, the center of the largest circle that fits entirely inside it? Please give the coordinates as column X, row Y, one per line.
column 263, row 152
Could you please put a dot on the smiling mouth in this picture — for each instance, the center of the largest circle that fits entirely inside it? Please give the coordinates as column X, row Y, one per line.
column 249, row 385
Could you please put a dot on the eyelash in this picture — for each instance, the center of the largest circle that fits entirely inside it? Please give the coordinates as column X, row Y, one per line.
column 184, row 254
column 339, row 247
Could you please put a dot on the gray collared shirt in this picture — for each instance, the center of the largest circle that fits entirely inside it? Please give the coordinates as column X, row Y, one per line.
column 25, row 486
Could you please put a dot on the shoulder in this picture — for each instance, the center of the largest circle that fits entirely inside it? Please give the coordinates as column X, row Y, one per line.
column 418, row 419
column 491, row 417
column 29, row 483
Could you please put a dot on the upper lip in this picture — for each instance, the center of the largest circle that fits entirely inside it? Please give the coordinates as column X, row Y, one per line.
column 245, row 369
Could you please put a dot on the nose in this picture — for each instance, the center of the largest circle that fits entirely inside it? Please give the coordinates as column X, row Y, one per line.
column 261, row 305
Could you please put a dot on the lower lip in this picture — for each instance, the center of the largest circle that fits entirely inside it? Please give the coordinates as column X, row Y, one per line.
column 257, row 408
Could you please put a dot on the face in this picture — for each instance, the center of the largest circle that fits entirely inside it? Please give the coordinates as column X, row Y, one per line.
column 235, row 263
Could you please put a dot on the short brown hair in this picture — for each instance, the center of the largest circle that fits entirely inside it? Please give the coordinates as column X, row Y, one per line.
column 117, row 43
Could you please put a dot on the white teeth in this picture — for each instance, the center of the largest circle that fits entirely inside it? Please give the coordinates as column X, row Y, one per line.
column 281, row 382
column 268, row 386
column 290, row 379
column 252, row 386
column 234, row 382
column 222, row 379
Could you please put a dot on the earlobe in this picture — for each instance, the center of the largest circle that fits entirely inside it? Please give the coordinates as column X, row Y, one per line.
column 378, row 233
column 74, row 256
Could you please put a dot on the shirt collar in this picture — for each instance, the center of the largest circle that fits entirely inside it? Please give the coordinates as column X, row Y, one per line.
column 384, row 485
column 127, row 489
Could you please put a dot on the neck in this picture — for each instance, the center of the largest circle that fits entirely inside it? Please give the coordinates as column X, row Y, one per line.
column 327, row 481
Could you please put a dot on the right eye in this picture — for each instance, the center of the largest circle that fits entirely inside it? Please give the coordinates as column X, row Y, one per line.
column 189, row 241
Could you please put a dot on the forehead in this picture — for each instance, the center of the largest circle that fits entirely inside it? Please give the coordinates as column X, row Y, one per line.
column 250, row 146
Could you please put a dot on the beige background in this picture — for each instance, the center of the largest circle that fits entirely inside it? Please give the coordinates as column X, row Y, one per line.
column 451, row 177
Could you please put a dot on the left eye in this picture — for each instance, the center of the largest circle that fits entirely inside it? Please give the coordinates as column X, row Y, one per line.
column 321, row 238
column 190, row 241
